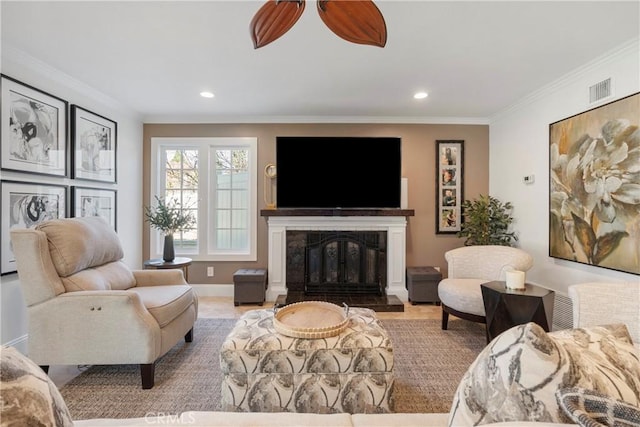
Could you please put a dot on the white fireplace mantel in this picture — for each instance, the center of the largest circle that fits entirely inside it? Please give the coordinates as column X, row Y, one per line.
column 395, row 226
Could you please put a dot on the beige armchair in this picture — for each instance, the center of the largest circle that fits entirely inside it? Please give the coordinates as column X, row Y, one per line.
column 468, row 268
column 85, row 306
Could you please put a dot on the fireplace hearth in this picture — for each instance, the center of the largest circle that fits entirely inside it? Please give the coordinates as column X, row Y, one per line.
column 388, row 303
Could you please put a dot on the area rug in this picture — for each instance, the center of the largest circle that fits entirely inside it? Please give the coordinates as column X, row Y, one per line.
column 429, row 364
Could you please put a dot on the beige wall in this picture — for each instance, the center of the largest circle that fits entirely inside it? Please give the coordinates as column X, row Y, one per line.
column 424, row 246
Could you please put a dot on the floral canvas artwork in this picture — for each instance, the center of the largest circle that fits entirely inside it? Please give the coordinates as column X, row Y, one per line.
column 594, row 194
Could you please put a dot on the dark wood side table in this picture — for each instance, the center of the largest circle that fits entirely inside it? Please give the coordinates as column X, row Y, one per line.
column 506, row 308
column 160, row 264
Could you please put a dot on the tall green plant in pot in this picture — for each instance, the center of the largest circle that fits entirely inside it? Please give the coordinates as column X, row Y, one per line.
column 486, row 221
column 168, row 218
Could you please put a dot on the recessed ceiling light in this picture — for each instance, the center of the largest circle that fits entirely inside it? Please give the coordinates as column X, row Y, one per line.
column 207, row 94
column 420, row 95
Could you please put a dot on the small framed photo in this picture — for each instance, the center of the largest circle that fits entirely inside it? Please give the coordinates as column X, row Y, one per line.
column 94, row 139
column 34, row 129
column 449, row 190
column 24, row 205
column 87, row 201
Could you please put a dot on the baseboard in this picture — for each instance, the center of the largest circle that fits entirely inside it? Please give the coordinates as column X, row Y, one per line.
column 208, row 290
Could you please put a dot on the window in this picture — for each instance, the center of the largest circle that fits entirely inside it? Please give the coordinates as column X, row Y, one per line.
column 181, row 188
column 215, row 179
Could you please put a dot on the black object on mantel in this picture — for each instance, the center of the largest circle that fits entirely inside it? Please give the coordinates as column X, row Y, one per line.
column 337, row 212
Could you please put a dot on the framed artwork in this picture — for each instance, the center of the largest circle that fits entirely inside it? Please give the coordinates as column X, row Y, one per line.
column 34, row 129
column 86, row 201
column 93, row 138
column 594, row 186
column 24, row 205
column 449, row 189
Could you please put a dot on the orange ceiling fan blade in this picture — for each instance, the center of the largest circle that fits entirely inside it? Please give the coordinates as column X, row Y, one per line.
column 357, row 21
column 274, row 19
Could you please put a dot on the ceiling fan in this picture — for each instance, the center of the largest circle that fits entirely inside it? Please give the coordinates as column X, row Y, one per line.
column 357, row 21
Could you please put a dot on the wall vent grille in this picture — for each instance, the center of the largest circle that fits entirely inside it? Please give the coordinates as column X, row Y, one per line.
column 562, row 312
column 600, row 91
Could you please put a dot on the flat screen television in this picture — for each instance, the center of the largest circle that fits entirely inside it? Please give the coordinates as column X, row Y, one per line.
column 338, row 172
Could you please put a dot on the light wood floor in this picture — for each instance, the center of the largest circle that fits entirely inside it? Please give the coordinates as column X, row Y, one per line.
column 223, row 308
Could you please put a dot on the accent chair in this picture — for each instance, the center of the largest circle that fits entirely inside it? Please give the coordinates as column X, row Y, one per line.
column 470, row 266
column 85, row 306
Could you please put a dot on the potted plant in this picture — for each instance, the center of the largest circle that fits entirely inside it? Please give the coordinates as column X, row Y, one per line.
column 486, row 221
column 168, row 218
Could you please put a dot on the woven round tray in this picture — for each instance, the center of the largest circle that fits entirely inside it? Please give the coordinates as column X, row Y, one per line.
column 310, row 319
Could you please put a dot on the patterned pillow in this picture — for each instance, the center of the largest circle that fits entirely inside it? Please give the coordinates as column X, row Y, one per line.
column 516, row 376
column 588, row 408
column 27, row 396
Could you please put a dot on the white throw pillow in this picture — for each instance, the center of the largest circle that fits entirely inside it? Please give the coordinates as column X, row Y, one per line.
column 516, row 376
column 28, row 397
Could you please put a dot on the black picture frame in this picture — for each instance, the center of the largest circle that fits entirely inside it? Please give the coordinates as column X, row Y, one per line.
column 25, row 205
column 91, row 201
column 593, row 186
column 33, row 129
column 449, row 185
column 94, row 140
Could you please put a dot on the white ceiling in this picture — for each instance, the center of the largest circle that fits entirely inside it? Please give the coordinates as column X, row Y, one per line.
column 474, row 58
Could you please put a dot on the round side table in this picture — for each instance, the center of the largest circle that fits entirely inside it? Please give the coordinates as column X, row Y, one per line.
column 160, row 264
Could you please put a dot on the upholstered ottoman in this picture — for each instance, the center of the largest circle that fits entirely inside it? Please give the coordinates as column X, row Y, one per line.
column 249, row 285
column 422, row 284
column 268, row 372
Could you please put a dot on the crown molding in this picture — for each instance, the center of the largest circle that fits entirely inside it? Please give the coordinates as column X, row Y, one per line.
column 19, row 57
column 630, row 47
column 164, row 119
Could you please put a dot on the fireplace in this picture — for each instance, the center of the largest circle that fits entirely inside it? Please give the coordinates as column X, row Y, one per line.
column 337, row 262
column 374, row 241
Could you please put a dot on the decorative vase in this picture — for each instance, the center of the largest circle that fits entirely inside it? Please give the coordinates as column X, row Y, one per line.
column 168, row 254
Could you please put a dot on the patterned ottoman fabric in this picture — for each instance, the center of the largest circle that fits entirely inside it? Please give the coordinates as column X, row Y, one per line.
column 270, row 372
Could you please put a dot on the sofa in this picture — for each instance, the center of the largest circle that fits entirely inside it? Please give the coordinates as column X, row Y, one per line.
column 525, row 373
column 595, row 303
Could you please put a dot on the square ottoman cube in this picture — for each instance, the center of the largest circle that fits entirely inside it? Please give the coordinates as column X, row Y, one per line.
column 265, row 371
column 249, row 286
column 422, row 284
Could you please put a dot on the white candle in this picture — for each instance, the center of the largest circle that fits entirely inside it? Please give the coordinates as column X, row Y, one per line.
column 515, row 279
